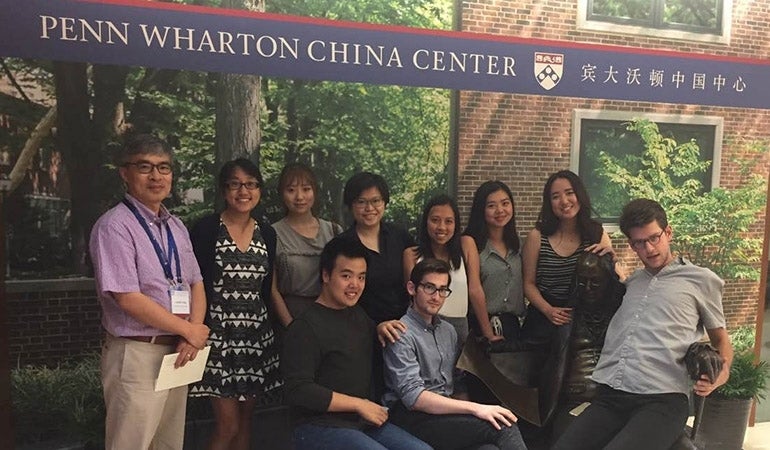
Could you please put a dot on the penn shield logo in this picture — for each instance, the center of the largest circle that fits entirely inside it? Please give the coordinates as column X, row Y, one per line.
column 549, row 68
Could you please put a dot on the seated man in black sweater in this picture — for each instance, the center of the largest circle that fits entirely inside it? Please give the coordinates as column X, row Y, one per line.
column 327, row 363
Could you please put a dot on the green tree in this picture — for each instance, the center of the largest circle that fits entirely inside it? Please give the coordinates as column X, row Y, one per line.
column 341, row 128
column 711, row 228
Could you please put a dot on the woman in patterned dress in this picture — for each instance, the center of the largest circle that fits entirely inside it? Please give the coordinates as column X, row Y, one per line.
column 564, row 229
column 235, row 253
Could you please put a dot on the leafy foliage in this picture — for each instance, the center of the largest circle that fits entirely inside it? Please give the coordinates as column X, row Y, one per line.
column 337, row 128
column 415, row 13
column 747, row 379
column 699, row 13
column 400, row 133
column 64, row 401
column 711, row 227
column 743, row 338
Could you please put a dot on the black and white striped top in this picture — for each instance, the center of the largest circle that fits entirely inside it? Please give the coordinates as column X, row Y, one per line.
column 554, row 272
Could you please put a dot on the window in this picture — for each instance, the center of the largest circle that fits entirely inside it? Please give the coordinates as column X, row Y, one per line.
column 699, row 20
column 596, row 131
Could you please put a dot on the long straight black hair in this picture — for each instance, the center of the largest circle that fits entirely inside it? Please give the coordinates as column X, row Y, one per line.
column 477, row 225
column 424, row 248
column 547, row 222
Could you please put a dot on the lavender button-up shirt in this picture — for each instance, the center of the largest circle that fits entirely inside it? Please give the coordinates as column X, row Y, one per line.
column 125, row 261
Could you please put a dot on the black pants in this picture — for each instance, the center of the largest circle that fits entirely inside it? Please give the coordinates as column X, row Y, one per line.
column 456, row 431
column 619, row 420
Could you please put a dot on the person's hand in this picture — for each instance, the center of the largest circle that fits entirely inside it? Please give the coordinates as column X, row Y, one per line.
column 704, row 387
column 197, row 334
column 187, row 352
column 559, row 316
column 372, row 412
column 494, row 337
column 496, row 415
column 390, row 331
column 602, row 249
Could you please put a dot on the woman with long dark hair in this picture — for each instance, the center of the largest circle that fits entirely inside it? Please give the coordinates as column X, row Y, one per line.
column 564, row 229
column 439, row 238
column 491, row 232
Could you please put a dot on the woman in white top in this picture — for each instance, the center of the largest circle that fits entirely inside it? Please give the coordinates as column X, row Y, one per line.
column 301, row 237
column 440, row 238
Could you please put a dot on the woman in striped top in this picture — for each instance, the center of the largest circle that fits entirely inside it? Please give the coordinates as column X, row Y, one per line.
column 564, row 229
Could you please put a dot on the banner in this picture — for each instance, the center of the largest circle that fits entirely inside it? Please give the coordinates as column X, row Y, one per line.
column 167, row 35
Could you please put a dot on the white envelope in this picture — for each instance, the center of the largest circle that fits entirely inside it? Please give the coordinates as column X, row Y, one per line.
column 170, row 377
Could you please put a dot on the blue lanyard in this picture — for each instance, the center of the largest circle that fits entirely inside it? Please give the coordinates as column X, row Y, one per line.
column 172, row 251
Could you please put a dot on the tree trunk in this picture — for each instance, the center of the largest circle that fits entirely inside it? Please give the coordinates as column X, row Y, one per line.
column 82, row 139
column 237, row 121
column 238, row 107
column 72, row 139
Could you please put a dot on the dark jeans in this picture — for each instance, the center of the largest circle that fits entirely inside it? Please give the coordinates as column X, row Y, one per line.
column 619, row 420
column 456, row 431
column 386, row 437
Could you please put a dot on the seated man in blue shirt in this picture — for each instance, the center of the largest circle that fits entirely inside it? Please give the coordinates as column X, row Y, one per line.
column 641, row 400
column 418, row 375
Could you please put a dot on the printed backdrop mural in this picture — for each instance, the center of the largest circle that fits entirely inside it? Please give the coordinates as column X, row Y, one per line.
column 166, row 35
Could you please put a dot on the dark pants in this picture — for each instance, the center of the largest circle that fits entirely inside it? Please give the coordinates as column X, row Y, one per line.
column 537, row 330
column 456, row 431
column 623, row 421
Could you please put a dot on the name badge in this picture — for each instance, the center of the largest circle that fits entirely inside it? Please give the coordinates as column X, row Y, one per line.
column 180, row 301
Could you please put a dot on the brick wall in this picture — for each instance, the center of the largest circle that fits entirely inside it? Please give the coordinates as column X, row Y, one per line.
column 522, row 139
column 52, row 321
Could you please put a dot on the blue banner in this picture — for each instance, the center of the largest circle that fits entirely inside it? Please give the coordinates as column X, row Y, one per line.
column 166, row 35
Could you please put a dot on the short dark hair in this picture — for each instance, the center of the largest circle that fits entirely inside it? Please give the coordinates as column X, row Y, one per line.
column 428, row 266
column 297, row 173
column 142, row 144
column 362, row 181
column 228, row 169
column 343, row 245
column 640, row 212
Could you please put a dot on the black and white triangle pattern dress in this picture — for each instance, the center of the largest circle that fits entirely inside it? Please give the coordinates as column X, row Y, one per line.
column 243, row 362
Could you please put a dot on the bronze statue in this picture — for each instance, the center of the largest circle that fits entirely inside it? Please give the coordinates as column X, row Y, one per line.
column 534, row 380
column 595, row 298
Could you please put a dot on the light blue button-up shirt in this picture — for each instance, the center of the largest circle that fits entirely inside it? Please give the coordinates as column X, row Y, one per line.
column 422, row 359
column 661, row 315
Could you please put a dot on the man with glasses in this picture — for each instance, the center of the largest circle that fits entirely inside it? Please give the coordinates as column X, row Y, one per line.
column 641, row 400
column 153, row 302
column 419, row 370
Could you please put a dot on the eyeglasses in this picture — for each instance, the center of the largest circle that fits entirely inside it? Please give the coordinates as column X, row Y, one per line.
column 431, row 289
column 639, row 244
column 360, row 203
column 235, row 185
column 164, row 168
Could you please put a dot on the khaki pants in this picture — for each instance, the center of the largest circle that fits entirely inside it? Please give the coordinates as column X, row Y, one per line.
column 137, row 416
